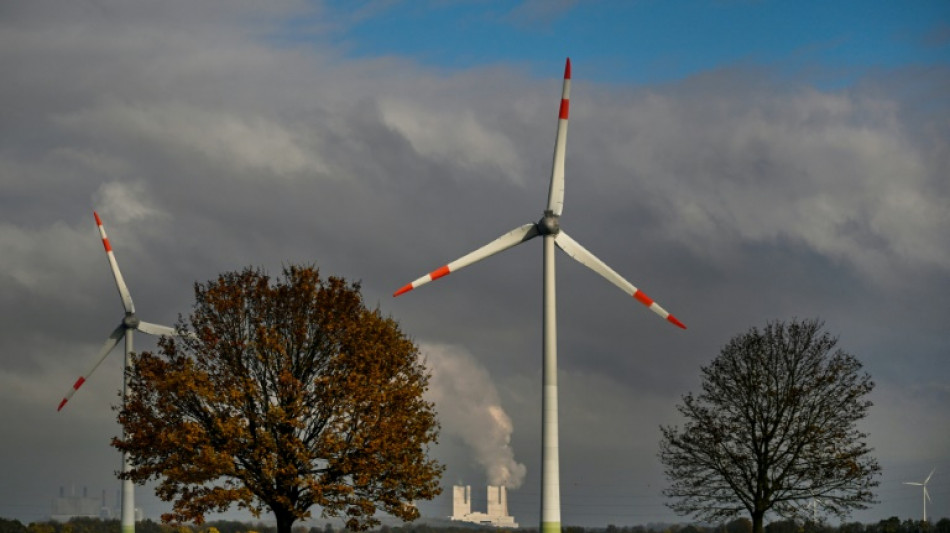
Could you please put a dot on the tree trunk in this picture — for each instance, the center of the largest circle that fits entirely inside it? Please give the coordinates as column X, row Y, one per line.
column 285, row 521
column 758, row 518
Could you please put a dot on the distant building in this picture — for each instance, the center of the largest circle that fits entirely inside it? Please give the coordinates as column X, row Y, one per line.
column 461, row 501
column 65, row 507
column 496, row 515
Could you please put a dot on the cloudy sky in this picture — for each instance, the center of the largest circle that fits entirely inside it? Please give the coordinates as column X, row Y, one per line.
column 739, row 161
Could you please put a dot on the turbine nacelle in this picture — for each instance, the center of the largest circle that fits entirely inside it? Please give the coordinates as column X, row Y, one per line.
column 550, row 224
column 131, row 321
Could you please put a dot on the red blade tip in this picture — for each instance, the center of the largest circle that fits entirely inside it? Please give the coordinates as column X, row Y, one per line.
column 567, row 69
column 673, row 319
column 403, row 290
column 61, row 404
column 98, row 220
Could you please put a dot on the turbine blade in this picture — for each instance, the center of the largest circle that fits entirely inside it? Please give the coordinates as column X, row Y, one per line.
column 119, row 282
column 929, row 476
column 927, row 494
column 110, row 343
column 556, row 190
column 584, row 257
column 508, row 240
column 914, row 483
column 155, row 329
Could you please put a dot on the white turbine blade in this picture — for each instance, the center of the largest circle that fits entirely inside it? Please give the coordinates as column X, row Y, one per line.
column 114, row 339
column 155, row 329
column 512, row 238
column 584, row 257
column 556, row 190
column 927, row 495
column 914, row 483
column 929, row 476
column 119, row 282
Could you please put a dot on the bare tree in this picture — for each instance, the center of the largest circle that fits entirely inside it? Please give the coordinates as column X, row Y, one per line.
column 286, row 396
column 774, row 428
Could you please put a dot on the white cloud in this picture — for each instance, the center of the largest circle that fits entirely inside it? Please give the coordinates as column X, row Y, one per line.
column 835, row 172
column 453, row 136
column 48, row 260
column 125, row 201
column 233, row 141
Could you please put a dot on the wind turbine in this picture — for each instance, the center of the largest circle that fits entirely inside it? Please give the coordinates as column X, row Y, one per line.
column 130, row 322
column 924, row 486
column 549, row 228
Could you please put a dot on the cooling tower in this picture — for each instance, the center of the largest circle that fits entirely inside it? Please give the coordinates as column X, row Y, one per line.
column 461, row 501
column 497, row 514
column 497, row 501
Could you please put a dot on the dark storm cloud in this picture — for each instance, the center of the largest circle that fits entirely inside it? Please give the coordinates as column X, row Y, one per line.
column 206, row 145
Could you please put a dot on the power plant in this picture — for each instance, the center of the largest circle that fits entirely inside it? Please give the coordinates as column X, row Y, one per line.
column 70, row 506
column 497, row 512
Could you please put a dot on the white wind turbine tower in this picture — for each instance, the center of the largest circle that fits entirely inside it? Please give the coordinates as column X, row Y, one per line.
column 549, row 228
column 814, row 509
column 130, row 322
column 924, row 486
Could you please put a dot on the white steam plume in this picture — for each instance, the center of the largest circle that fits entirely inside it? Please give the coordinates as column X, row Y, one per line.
column 469, row 407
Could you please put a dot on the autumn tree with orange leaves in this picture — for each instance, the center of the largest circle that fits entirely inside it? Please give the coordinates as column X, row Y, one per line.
column 283, row 395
